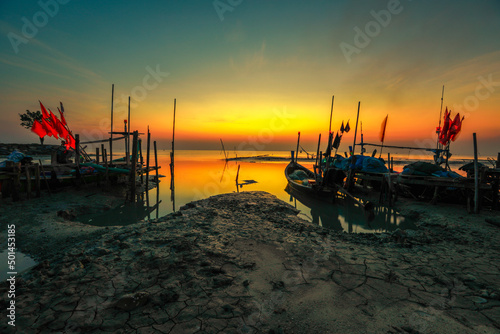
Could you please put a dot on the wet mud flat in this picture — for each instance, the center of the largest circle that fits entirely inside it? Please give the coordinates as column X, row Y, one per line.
column 246, row 263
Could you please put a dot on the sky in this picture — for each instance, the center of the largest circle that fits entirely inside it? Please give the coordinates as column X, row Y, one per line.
column 254, row 73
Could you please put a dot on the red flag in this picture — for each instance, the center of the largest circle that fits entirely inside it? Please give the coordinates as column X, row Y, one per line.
column 45, row 114
column 70, row 141
column 455, row 127
column 347, row 127
column 63, row 120
column 443, row 136
column 342, row 129
column 38, row 129
column 48, row 127
column 382, row 129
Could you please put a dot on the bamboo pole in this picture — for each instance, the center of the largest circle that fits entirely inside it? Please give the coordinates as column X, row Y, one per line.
column 128, row 135
column 318, row 159
column 172, row 154
column 331, row 114
column 147, row 160
column 111, row 138
column 476, row 175
column 156, row 163
column 297, row 151
column 105, row 161
column 133, row 168
column 141, row 161
column 356, row 130
column 237, row 176
column 440, row 116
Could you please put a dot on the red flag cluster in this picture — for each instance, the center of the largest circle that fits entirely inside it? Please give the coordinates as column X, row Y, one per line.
column 450, row 129
column 52, row 126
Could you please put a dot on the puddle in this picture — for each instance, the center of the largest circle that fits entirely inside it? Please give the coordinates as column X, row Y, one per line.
column 125, row 214
column 346, row 215
column 23, row 263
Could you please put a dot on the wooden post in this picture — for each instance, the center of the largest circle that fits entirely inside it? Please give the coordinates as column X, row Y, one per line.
column 392, row 164
column 37, row 180
column 389, row 161
column 105, row 162
column 237, row 176
column 128, row 135
column 331, row 114
column 97, row 155
column 156, row 163
column 498, row 160
column 102, row 152
column 110, row 161
column 77, row 158
column 133, row 167
column 141, row 161
column 147, row 160
column 476, row 176
column 111, row 138
column 318, row 159
column 356, row 130
column 28, row 181
column 172, row 154
column 350, row 173
column 297, row 150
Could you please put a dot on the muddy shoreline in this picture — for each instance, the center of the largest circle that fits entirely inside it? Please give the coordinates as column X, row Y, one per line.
column 246, row 263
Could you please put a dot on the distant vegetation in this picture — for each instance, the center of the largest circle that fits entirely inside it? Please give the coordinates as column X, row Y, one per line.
column 28, row 118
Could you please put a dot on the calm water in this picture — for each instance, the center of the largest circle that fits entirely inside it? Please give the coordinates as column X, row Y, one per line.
column 200, row 174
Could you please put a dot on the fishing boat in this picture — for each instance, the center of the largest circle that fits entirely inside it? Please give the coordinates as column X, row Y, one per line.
column 305, row 181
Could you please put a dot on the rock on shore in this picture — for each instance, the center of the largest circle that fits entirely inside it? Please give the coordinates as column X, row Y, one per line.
column 245, row 263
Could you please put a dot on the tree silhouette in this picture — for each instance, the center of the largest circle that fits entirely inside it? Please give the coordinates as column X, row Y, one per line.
column 28, row 118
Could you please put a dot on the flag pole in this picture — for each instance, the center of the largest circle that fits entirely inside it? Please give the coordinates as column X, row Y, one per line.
column 111, row 139
column 356, row 130
column 440, row 116
column 331, row 113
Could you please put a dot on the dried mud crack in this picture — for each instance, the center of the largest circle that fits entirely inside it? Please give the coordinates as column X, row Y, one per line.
column 246, row 263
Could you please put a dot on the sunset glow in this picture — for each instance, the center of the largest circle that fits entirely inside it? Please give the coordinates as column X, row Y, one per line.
column 258, row 74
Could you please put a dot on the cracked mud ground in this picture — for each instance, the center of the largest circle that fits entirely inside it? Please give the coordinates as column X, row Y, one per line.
column 245, row 263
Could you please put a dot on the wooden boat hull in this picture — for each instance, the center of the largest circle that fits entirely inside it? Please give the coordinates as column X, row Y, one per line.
column 316, row 190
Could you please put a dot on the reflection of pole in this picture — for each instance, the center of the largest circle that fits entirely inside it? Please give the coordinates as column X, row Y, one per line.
column 237, row 176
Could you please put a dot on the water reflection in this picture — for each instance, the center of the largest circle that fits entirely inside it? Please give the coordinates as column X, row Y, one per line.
column 346, row 215
column 125, row 214
column 200, row 175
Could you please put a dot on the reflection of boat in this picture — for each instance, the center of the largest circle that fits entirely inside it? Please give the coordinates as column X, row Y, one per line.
column 303, row 180
column 322, row 213
column 348, row 215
